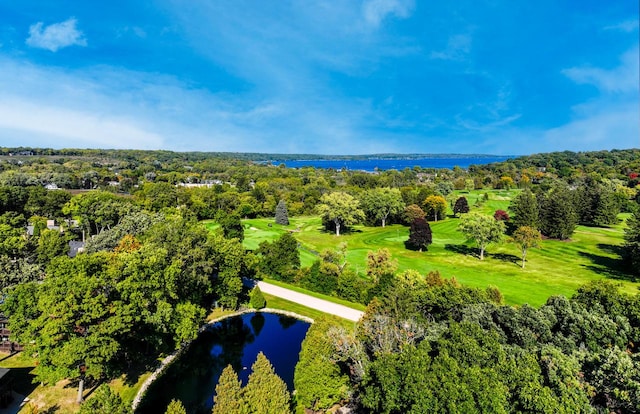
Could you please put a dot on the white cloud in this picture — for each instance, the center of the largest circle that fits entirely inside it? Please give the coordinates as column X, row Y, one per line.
column 599, row 127
column 593, row 127
column 55, row 36
column 375, row 11
column 106, row 107
column 73, row 128
column 622, row 79
column 609, row 120
column 627, row 26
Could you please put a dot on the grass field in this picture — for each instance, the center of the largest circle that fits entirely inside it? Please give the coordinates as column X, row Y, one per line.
column 558, row 267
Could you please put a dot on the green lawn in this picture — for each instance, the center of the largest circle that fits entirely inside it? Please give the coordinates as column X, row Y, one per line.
column 559, row 267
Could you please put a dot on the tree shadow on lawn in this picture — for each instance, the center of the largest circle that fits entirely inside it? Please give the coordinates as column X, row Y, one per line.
column 504, row 257
column 133, row 374
column 343, row 231
column 611, row 267
column 475, row 252
column 23, row 380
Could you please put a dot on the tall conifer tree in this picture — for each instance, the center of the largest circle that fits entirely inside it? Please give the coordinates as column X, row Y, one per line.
column 525, row 209
column 229, row 397
column 175, row 407
column 282, row 215
column 266, row 393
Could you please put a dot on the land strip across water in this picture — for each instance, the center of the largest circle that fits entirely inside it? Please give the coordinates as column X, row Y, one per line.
column 321, row 305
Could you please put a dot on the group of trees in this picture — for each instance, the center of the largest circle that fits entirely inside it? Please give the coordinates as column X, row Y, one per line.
column 557, row 211
column 341, row 210
column 554, row 214
column 431, row 345
column 329, row 274
column 25, row 250
column 142, row 288
column 265, row 392
column 105, row 311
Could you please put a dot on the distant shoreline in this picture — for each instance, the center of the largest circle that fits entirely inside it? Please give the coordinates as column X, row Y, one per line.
column 385, row 156
column 373, row 164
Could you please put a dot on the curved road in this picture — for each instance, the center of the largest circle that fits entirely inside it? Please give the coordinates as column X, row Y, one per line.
column 309, row 301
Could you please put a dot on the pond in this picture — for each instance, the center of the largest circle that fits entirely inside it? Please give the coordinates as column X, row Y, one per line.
column 237, row 341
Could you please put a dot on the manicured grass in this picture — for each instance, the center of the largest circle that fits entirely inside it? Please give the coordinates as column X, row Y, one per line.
column 258, row 230
column 558, row 267
column 283, row 304
column 127, row 390
column 218, row 313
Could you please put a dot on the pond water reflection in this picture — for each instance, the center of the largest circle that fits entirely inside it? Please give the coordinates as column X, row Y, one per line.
column 236, row 341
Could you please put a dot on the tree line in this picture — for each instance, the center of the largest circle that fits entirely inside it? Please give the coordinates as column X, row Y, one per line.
column 431, row 345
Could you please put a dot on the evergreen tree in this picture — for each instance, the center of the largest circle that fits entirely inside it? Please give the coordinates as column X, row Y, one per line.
column 282, row 215
column 632, row 242
column 461, row 206
column 558, row 215
column 175, row 407
column 229, row 398
column 256, row 298
column 597, row 206
column 525, row 209
column 266, row 393
column 420, row 236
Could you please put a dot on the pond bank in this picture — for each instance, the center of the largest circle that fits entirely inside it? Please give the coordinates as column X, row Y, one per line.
column 168, row 360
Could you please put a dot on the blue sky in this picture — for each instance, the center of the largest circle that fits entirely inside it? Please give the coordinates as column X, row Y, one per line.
column 321, row 76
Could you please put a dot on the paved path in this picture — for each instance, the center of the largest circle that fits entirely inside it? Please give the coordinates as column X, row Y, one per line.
column 311, row 302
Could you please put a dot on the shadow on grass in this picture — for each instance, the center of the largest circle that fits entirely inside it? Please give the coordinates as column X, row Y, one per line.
column 8, row 356
column 462, row 249
column 612, row 267
column 503, row 257
column 475, row 252
column 134, row 373
column 23, row 380
column 611, row 249
column 343, row 230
